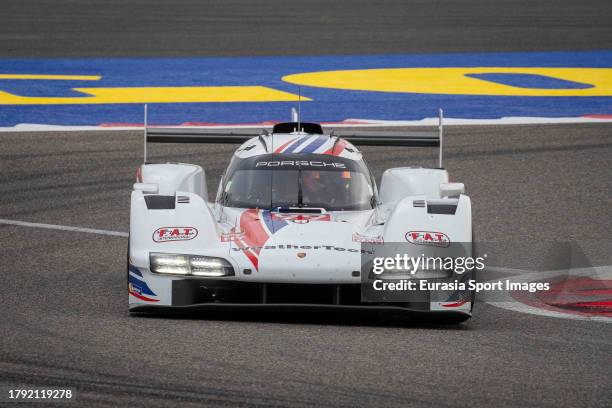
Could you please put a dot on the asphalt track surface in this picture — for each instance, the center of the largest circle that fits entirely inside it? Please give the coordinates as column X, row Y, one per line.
column 50, row 28
column 64, row 302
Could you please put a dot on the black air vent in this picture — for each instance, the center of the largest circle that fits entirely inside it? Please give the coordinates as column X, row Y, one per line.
column 448, row 209
column 418, row 203
column 298, row 210
column 182, row 199
column 159, row 202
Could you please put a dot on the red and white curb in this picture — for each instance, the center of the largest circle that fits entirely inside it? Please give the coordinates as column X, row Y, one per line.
column 507, row 300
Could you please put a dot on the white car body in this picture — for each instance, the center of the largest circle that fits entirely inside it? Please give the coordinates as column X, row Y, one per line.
column 290, row 246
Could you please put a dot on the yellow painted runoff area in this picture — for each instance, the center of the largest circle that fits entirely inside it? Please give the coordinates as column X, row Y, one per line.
column 449, row 81
column 454, row 81
column 185, row 94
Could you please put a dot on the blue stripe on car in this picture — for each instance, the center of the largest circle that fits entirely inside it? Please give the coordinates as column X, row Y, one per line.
column 141, row 286
column 273, row 224
column 134, row 270
column 315, row 144
column 297, row 144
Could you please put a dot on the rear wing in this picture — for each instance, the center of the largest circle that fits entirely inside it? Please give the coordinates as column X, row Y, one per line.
column 239, row 136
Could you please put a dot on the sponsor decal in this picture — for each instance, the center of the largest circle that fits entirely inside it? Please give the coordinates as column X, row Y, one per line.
column 430, row 238
column 378, row 239
column 137, row 292
column 257, row 226
column 230, row 236
column 138, row 288
column 167, row 234
column 291, row 246
column 298, row 163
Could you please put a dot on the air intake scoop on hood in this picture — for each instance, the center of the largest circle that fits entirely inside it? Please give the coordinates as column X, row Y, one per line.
column 299, row 210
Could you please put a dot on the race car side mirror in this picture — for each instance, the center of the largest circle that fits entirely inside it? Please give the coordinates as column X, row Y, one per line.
column 147, row 188
column 451, row 189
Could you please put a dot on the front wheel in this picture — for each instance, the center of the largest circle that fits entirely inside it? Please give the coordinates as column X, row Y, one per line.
column 443, row 318
column 127, row 270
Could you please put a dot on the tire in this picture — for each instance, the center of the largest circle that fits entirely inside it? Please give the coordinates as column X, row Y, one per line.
column 442, row 319
column 127, row 265
column 454, row 319
column 474, row 276
column 127, row 273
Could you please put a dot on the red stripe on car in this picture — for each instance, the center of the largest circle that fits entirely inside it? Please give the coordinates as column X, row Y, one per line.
column 456, row 304
column 283, row 146
column 146, row 299
column 337, row 148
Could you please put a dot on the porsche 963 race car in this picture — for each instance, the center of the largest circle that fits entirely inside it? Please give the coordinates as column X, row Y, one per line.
column 287, row 225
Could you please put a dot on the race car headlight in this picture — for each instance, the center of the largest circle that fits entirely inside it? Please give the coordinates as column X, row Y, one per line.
column 191, row 265
column 209, row 266
column 170, row 263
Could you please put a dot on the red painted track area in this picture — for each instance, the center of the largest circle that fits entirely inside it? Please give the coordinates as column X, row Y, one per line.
column 582, row 296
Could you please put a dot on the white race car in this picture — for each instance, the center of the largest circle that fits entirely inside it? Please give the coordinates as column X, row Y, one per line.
column 288, row 226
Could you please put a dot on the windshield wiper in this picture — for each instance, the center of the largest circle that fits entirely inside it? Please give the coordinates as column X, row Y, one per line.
column 300, row 194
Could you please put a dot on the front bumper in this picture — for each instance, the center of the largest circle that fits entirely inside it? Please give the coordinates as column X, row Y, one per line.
column 363, row 311
column 223, row 294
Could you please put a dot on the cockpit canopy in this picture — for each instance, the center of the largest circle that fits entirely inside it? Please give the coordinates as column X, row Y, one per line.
column 270, row 181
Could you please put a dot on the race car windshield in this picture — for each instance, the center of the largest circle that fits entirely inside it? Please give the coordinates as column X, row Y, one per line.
column 335, row 184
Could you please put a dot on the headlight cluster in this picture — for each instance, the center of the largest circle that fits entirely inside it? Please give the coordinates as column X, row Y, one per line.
column 190, row 265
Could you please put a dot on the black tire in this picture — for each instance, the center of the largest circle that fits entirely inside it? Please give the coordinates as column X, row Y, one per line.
column 454, row 319
column 127, row 272
column 474, row 276
column 443, row 319
column 127, row 265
